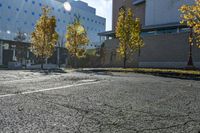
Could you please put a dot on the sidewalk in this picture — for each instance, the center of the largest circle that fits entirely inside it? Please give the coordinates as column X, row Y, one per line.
column 172, row 73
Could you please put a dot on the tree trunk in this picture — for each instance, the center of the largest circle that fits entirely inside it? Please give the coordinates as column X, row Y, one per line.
column 125, row 59
column 42, row 63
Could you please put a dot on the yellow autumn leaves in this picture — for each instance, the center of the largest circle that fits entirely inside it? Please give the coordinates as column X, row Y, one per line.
column 128, row 32
column 76, row 39
column 44, row 38
column 190, row 15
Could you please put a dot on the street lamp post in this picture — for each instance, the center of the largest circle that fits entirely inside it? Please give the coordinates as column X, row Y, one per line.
column 190, row 64
column 58, row 55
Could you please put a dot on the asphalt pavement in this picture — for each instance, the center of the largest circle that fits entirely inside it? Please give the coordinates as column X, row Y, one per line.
column 97, row 102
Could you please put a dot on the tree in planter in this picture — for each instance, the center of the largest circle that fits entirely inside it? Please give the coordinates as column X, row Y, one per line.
column 76, row 40
column 44, row 37
column 190, row 15
column 128, row 32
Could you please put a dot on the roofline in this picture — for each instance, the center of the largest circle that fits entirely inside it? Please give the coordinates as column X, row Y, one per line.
column 149, row 28
column 107, row 33
column 163, row 27
column 136, row 2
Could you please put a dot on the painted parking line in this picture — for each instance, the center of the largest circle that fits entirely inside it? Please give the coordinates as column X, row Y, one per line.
column 50, row 89
column 34, row 79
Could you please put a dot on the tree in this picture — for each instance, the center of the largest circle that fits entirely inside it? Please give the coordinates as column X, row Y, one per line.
column 44, row 37
column 190, row 15
column 76, row 39
column 128, row 32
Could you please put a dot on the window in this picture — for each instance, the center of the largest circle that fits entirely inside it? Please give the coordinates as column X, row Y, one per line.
column 25, row 11
column 33, row 2
column 0, row 5
column 33, row 13
column 9, row 7
column 17, row 9
column 58, row 10
column 26, row 0
column 40, row 4
column 8, row 19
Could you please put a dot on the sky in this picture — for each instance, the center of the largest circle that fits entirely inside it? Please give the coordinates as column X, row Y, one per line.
column 103, row 9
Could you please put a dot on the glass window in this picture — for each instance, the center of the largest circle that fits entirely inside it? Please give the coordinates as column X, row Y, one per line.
column 17, row 9
column 25, row 11
column 33, row 2
column 26, row 0
column 33, row 13
column 0, row 5
column 40, row 4
column 9, row 7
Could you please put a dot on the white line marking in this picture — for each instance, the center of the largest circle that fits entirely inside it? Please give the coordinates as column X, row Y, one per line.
column 49, row 89
column 34, row 79
column 7, row 95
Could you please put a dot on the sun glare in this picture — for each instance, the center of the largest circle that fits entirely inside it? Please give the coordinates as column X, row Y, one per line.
column 67, row 6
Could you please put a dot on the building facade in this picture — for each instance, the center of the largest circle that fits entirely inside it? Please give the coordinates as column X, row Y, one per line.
column 166, row 43
column 21, row 16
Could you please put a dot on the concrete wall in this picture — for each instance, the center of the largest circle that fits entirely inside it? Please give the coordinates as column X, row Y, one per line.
column 139, row 11
column 164, row 11
column 111, row 57
column 167, row 50
column 117, row 4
